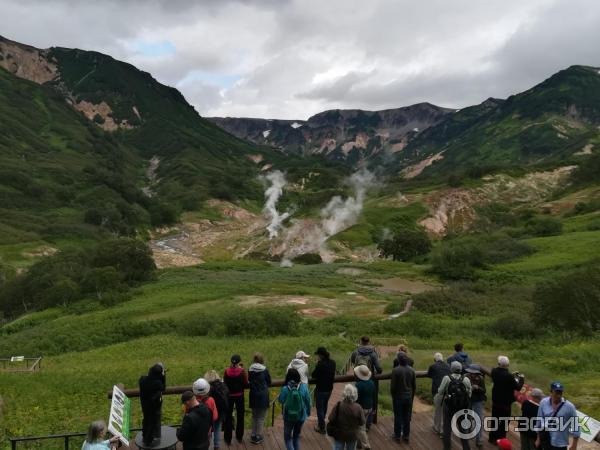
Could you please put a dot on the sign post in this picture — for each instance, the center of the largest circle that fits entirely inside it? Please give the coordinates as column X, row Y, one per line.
column 120, row 415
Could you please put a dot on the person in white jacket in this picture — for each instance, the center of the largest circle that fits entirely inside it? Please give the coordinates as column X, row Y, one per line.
column 300, row 363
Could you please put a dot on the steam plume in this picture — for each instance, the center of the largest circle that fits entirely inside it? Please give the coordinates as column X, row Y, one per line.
column 272, row 194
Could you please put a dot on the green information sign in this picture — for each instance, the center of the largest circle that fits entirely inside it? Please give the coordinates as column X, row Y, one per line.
column 120, row 416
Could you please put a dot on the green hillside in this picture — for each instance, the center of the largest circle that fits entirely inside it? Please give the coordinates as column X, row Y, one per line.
column 543, row 126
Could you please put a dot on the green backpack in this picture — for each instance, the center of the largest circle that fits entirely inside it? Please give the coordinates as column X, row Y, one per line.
column 293, row 408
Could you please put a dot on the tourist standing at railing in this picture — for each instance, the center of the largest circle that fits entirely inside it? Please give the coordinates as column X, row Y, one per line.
column 323, row 375
column 236, row 380
column 220, row 394
column 94, row 439
column 503, row 395
column 295, row 400
column 366, row 355
column 403, row 386
column 151, row 388
column 366, row 399
column 201, row 390
column 478, row 396
column 455, row 394
column 556, row 412
column 529, row 410
column 259, row 380
column 345, row 420
column 437, row 371
column 461, row 356
column 300, row 363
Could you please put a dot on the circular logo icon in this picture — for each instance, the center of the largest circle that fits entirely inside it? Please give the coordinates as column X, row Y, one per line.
column 465, row 424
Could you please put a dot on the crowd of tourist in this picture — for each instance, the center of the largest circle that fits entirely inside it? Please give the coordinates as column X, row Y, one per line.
column 457, row 385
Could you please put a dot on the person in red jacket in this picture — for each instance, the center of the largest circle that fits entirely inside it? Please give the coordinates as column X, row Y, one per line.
column 236, row 379
column 201, row 390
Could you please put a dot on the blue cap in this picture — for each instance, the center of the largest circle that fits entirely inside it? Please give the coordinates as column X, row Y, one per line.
column 557, row 386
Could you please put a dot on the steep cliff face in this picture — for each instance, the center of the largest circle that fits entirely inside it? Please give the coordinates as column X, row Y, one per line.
column 27, row 62
column 340, row 133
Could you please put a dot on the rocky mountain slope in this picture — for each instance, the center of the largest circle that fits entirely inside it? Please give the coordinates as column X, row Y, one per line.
column 344, row 134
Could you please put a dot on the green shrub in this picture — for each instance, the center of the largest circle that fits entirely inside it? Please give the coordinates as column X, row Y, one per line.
column 406, row 244
column 515, row 325
column 544, row 226
column 308, row 258
column 457, row 259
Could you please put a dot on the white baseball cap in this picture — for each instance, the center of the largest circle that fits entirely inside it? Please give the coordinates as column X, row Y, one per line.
column 301, row 355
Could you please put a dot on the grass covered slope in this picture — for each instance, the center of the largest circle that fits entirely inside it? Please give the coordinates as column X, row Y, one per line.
column 544, row 125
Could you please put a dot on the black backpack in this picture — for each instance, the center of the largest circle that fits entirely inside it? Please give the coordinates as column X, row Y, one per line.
column 457, row 397
column 220, row 394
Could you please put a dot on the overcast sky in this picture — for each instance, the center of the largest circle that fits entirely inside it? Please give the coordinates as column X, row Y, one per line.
column 290, row 59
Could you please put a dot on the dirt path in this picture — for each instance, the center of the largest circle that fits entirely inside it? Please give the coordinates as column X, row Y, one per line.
column 406, row 310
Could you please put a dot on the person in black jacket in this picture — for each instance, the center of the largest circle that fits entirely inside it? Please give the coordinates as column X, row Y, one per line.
column 403, row 385
column 259, row 380
column 323, row 375
column 151, row 388
column 195, row 427
column 503, row 395
column 529, row 409
column 437, row 371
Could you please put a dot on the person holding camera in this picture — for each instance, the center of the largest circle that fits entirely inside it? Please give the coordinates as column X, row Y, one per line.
column 503, row 395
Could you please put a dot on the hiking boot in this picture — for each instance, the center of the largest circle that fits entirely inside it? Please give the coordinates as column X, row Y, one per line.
column 258, row 440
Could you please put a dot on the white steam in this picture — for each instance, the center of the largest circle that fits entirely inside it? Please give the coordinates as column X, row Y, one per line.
column 338, row 215
column 272, row 194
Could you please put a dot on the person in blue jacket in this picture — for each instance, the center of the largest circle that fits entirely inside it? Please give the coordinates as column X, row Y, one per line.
column 295, row 400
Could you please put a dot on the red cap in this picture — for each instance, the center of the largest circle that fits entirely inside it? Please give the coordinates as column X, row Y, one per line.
column 504, row 444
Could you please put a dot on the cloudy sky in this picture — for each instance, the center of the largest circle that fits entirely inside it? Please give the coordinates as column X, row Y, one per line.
column 290, row 59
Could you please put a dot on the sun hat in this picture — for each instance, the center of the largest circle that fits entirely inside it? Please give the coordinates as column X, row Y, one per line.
column 322, row 351
column 362, row 372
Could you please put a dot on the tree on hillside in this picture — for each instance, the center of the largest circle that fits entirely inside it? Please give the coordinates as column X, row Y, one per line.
column 405, row 245
column 131, row 258
column 570, row 303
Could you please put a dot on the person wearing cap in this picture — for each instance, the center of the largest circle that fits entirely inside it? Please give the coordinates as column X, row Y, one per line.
column 195, row 427
column 201, row 390
column 504, row 444
column 437, row 371
column 478, row 396
column 456, row 369
column 151, row 388
column 259, row 380
column 563, row 411
column 366, row 354
column 236, row 379
column 220, row 394
column 324, row 376
column 366, row 398
column 300, row 363
column 403, row 385
column 503, row 395
column 529, row 410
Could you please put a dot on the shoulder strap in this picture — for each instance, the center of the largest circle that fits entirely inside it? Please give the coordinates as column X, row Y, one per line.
column 557, row 409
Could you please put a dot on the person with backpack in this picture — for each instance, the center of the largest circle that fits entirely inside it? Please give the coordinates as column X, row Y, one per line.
column 295, row 400
column 366, row 355
column 403, row 385
column 345, row 420
column 259, row 380
column 195, row 428
column 151, row 388
column 300, row 363
column 324, row 375
column 529, row 410
column 503, row 395
column 220, row 394
column 454, row 394
column 437, row 371
column 366, row 397
column 478, row 396
column 236, row 380
column 461, row 356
